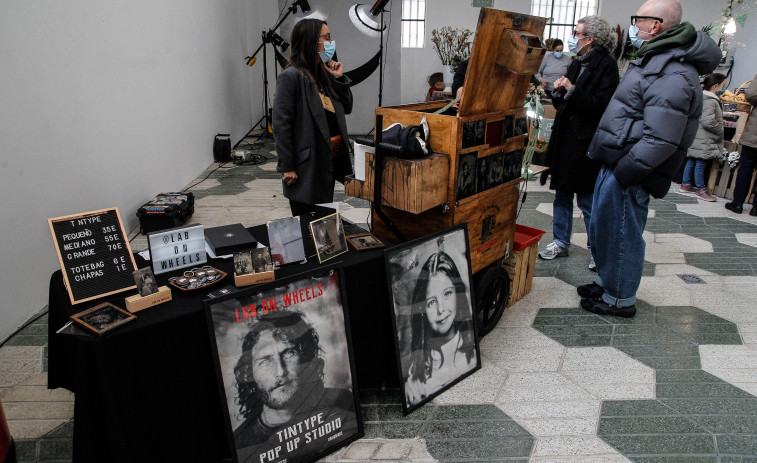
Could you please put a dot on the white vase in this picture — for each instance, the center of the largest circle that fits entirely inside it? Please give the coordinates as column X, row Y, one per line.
column 448, row 73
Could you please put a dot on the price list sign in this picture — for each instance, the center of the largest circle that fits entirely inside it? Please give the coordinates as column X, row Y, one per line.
column 94, row 254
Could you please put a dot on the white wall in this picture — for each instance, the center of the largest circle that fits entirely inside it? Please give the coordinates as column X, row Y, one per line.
column 419, row 63
column 106, row 104
column 354, row 49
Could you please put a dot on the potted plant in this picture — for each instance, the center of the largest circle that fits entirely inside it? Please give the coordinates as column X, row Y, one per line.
column 452, row 46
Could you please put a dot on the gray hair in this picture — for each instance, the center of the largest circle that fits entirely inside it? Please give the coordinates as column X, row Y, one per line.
column 604, row 37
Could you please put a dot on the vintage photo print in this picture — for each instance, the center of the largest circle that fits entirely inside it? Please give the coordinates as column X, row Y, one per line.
column 521, row 126
column 103, row 318
column 482, row 172
column 466, row 175
column 495, row 171
column 363, row 241
column 145, row 280
column 432, row 311
column 242, row 263
column 509, row 129
column 474, row 133
column 513, row 165
column 285, row 238
column 284, row 358
column 328, row 235
column 261, row 260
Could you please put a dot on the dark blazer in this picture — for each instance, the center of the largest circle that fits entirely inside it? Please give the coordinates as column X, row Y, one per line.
column 303, row 141
column 576, row 121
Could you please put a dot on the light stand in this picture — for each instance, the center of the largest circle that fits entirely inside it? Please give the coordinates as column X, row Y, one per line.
column 370, row 21
column 275, row 39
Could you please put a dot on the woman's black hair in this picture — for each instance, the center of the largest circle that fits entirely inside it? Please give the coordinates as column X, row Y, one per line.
column 304, row 54
column 557, row 43
column 712, row 80
column 422, row 333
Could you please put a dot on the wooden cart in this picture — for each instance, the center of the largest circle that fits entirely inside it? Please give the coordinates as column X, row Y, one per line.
column 473, row 174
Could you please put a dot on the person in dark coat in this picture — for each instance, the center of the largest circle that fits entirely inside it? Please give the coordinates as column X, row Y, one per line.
column 309, row 126
column 641, row 142
column 580, row 97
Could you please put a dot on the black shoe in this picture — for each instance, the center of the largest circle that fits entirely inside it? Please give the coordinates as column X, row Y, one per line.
column 600, row 307
column 753, row 212
column 592, row 290
column 733, row 207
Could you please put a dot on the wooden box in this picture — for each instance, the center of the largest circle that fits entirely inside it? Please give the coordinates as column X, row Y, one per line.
column 414, row 185
column 520, row 266
column 520, row 52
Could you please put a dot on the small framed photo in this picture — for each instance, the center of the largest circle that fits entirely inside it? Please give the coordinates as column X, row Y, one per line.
column 261, row 260
column 145, row 280
column 242, row 263
column 363, row 241
column 103, row 318
column 285, row 237
column 328, row 235
column 466, row 175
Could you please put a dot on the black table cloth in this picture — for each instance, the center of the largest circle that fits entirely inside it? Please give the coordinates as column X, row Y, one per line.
column 148, row 390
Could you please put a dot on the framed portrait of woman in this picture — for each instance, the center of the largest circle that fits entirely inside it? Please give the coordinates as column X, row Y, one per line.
column 431, row 292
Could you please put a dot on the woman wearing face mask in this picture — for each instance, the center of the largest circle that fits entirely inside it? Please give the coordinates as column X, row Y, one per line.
column 442, row 345
column 309, row 127
column 580, row 97
column 708, row 142
column 553, row 65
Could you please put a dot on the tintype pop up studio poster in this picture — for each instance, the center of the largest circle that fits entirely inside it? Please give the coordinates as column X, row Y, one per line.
column 432, row 302
column 284, row 359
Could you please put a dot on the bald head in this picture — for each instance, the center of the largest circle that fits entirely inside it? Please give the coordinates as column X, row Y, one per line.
column 669, row 10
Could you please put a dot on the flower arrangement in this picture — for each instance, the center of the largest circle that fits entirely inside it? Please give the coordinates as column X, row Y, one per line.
column 452, row 45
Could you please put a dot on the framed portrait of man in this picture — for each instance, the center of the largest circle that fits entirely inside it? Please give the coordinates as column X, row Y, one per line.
column 431, row 291
column 285, row 366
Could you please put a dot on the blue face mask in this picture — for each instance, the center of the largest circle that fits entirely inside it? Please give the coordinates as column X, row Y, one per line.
column 558, row 54
column 573, row 45
column 329, row 48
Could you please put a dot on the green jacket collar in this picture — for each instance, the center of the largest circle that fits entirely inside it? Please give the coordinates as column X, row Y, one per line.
column 677, row 36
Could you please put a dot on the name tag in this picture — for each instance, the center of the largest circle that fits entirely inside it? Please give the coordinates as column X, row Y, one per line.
column 327, row 104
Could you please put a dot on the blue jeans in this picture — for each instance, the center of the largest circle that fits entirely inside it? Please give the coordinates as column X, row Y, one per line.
column 618, row 219
column 562, row 215
column 693, row 173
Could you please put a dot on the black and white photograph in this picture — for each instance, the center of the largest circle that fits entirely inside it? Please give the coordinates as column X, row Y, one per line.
column 285, row 238
column 466, row 175
column 145, row 280
column 284, row 358
column 521, row 126
column 243, row 263
column 474, row 133
column 509, row 129
column 103, row 318
column 363, row 241
column 261, row 260
column 482, row 172
column 432, row 311
column 495, row 172
column 513, row 165
column 328, row 236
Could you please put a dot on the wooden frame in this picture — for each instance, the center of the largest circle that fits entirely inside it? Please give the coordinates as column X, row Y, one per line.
column 309, row 317
column 103, row 318
column 110, row 249
column 364, row 241
column 431, row 292
column 328, row 237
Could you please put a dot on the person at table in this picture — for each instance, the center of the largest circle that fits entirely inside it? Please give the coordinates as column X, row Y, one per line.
column 280, row 388
column 748, row 163
column 442, row 344
column 309, row 126
column 553, row 66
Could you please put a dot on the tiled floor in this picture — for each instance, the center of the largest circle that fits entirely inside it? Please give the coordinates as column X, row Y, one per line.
column 677, row 383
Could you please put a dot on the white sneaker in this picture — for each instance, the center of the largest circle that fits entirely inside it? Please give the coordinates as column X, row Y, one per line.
column 592, row 265
column 553, row 250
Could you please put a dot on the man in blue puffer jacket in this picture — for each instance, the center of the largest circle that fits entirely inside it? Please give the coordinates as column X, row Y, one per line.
column 641, row 141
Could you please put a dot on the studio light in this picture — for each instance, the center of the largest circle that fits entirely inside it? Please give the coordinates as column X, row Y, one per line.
column 730, row 26
column 367, row 18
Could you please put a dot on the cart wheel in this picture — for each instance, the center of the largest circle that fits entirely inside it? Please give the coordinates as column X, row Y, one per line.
column 492, row 291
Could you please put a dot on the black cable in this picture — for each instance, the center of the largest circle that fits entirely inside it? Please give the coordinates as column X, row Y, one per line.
column 206, row 177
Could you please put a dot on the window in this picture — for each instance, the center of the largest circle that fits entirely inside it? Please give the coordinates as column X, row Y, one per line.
column 564, row 14
column 413, row 23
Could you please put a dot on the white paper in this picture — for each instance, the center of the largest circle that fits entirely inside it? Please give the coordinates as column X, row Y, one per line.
column 360, row 151
column 145, row 254
column 334, row 206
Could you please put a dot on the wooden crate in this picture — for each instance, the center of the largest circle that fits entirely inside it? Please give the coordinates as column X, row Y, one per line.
column 520, row 266
column 411, row 185
column 722, row 180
